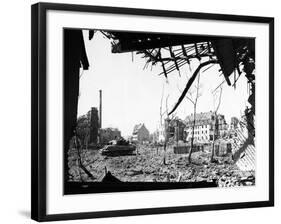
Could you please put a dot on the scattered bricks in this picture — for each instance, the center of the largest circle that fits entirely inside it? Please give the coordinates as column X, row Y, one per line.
column 148, row 166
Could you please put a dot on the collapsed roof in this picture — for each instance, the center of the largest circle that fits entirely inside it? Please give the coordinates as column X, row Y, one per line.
column 229, row 52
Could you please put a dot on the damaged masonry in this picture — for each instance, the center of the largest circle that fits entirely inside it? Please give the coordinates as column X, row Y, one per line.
column 196, row 141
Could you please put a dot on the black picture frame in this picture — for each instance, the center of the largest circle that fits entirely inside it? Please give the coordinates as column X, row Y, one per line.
column 38, row 110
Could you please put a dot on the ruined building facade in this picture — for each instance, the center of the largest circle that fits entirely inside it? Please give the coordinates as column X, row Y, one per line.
column 205, row 126
column 140, row 133
column 234, row 123
column 175, row 128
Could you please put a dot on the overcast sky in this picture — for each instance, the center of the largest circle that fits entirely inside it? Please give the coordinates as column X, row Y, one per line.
column 132, row 95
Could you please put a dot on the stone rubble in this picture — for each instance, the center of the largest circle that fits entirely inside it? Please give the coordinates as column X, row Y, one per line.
column 147, row 166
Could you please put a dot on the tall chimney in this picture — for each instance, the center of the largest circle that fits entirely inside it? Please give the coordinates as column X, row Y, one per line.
column 100, row 108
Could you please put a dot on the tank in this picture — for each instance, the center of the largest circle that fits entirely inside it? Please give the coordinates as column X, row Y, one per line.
column 118, row 147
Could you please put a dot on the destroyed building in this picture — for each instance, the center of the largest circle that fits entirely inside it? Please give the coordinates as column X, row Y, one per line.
column 205, row 126
column 140, row 133
column 176, row 129
column 108, row 134
column 234, row 123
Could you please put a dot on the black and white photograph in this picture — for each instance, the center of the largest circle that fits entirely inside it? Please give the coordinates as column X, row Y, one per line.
column 147, row 111
column 139, row 111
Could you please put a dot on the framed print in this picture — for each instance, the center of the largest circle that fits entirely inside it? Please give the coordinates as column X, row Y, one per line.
column 138, row 111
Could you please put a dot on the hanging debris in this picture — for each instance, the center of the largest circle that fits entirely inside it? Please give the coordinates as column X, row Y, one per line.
column 175, row 51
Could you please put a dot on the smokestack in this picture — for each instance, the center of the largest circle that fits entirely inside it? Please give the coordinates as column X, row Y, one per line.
column 100, row 110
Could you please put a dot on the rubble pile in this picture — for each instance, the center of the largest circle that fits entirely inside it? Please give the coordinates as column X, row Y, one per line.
column 148, row 165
